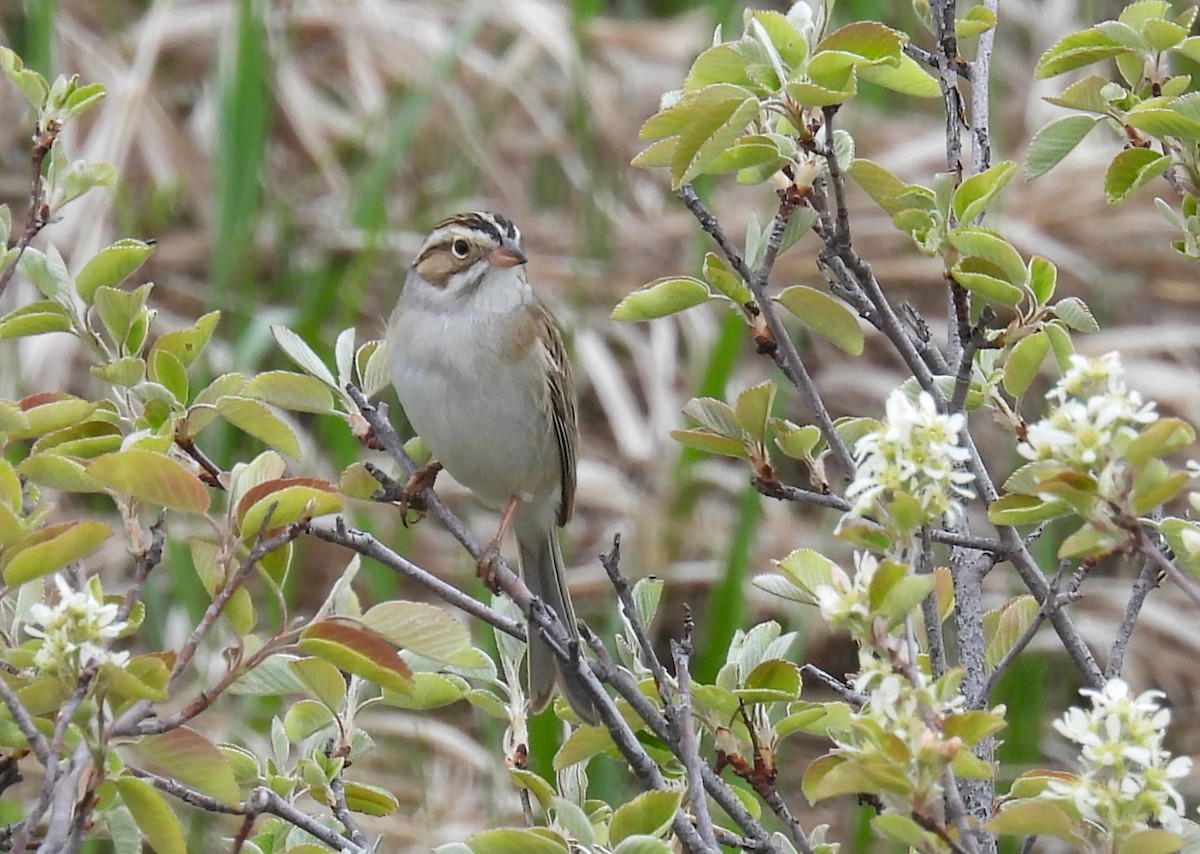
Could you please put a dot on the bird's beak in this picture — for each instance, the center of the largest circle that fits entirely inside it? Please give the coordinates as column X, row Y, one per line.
column 507, row 254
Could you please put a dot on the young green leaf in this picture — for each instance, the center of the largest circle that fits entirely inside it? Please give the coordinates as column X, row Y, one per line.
column 826, row 316
column 661, row 298
column 1131, row 170
column 110, row 267
column 1024, row 361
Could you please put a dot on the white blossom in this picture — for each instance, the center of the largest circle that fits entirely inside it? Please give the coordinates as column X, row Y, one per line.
column 916, row 451
column 1093, row 419
column 75, row 632
column 1128, row 777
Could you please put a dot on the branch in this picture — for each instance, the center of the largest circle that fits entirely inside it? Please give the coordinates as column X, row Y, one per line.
column 367, row 546
column 261, row 548
column 145, row 563
column 689, row 746
column 38, row 215
column 612, row 565
column 1146, row 581
column 786, row 357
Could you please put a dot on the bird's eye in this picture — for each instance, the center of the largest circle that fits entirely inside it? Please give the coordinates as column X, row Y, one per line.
column 460, row 248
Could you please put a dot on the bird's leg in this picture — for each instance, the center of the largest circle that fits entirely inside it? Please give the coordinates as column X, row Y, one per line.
column 486, row 564
column 411, row 497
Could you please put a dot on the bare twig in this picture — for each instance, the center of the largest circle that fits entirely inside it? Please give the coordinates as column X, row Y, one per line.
column 1146, row 581
column 612, row 565
column 341, row 811
column 1166, row 567
column 367, row 546
column 38, row 216
column 144, row 565
column 689, row 746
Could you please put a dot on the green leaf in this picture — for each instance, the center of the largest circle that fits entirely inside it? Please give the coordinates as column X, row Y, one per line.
column 47, row 271
column 975, row 193
column 302, row 354
column 287, row 500
column 1075, row 51
column 1163, row 123
column 717, row 275
column 58, row 472
column 1087, row 94
column 110, row 267
column 125, row 372
column 869, row 40
column 828, row 317
column 991, row 247
column 429, row 691
column 1054, row 142
column 1004, row 627
column 710, row 134
column 907, row 76
column 771, row 681
column 753, row 408
column 120, row 310
column 1060, row 343
column 46, row 412
column 169, row 372
column 901, row 829
column 32, row 85
column 985, row 285
column 153, row 816
column 191, row 758
column 515, row 841
column 881, row 185
column 357, row 651
column 255, row 419
column 638, row 844
column 186, row 344
column 1158, row 438
column 422, row 628
column 36, row 318
column 1030, row 817
column 69, row 542
column 661, row 298
column 1131, row 170
column 1074, row 312
column 719, row 64
column 649, row 814
column 1043, row 277
column 151, row 477
column 711, row 443
column 826, row 94
column 1024, row 510
column 305, row 718
column 714, row 415
column 1153, row 840
column 976, row 22
column 369, row 800
column 1024, row 361
column 321, row 678
column 581, row 745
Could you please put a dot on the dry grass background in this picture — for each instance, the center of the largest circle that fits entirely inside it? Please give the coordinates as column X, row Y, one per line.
column 531, row 108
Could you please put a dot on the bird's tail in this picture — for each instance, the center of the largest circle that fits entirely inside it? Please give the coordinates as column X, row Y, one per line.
column 542, row 567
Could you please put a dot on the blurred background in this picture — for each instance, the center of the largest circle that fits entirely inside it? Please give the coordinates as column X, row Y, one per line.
column 288, row 158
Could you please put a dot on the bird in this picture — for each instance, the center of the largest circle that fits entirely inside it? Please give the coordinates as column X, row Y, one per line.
column 481, row 372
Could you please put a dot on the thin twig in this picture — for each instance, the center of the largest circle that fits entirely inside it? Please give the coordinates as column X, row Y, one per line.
column 1167, row 567
column 784, row 353
column 38, row 216
column 689, row 746
column 262, row 547
column 612, row 565
column 1146, row 581
column 144, row 565
column 341, row 811
column 367, row 546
